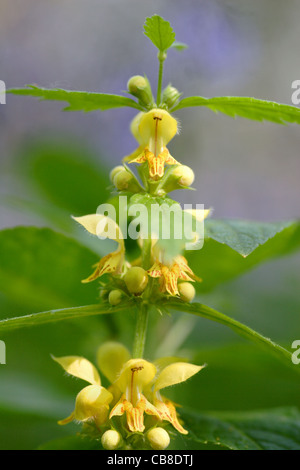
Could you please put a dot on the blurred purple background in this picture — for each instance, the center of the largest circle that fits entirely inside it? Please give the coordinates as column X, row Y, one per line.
column 243, row 168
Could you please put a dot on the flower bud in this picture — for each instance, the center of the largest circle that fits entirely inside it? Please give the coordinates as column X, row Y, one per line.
column 185, row 174
column 111, row 440
column 115, row 297
column 170, row 96
column 136, row 280
column 114, row 171
column 187, row 291
column 158, row 438
column 177, row 177
column 140, row 87
column 125, row 180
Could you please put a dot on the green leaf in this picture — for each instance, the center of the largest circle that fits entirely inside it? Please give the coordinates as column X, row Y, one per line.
column 78, row 100
column 241, row 235
column 64, row 173
column 249, row 377
column 217, row 262
column 277, row 429
column 241, row 329
column 36, row 319
column 42, row 270
column 160, row 32
column 250, row 108
column 77, row 442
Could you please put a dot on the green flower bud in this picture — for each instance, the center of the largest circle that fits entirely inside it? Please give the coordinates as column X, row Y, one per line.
column 115, row 297
column 158, row 438
column 177, row 177
column 125, row 180
column 140, row 87
column 187, row 291
column 111, row 440
column 136, row 280
column 170, row 96
column 185, row 174
column 114, row 171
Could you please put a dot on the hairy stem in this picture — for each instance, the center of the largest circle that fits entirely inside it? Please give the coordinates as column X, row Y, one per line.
column 142, row 314
column 161, row 57
column 140, row 331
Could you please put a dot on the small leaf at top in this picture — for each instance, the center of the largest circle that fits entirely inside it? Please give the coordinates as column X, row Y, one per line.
column 160, row 32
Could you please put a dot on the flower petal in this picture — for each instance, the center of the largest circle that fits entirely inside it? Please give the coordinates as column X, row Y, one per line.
column 79, row 367
column 144, row 372
column 168, row 413
column 102, row 226
column 199, row 214
column 156, row 270
column 111, row 357
column 175, row 374
column 67, row 420
column 92, row 401
column 90, row 222
column 109, row 264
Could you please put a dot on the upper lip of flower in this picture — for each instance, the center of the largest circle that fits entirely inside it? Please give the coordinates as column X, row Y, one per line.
column 101, row 225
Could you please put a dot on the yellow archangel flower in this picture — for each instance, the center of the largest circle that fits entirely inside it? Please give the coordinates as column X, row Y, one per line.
column 140, row 383
column 103, row 226
column 170, row 273
column 92, row 402
column 153, row 131
column 135, row 389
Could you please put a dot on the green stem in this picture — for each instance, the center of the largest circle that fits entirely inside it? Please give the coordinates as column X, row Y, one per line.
column 161, row 57
column 140, row 331
column 146, row 254
column 142, row 314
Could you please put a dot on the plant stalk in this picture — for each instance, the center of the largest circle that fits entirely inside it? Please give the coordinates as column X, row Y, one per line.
column 142, row 314
column 140, row 331
column 161, row 57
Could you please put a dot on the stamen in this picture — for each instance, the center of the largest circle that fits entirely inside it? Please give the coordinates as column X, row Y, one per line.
column 133, row 370
column 156, row 118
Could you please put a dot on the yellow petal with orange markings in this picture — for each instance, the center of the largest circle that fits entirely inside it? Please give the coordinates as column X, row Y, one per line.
column 156, row 270
column 109, row 264
column 168, row 412
column 119, row 408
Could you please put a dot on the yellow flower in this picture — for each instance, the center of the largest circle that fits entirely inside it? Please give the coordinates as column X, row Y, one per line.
column 170, row 273
column 92, row 402
column 153, row 131
column 135, row 375
column 103, row 226
column 140, row 384
column 135, row 389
